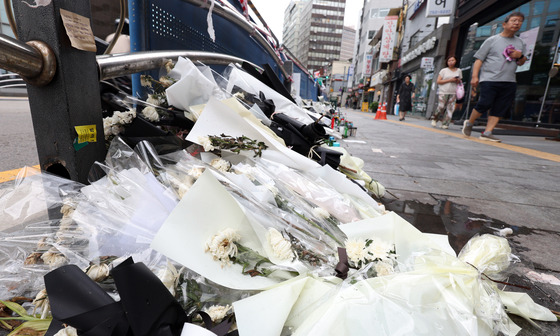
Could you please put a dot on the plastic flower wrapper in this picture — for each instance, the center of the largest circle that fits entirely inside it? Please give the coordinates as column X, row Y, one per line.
column 491, row 255
column 277, row 231
column 192, row 87
column 238, row 77
column 315, row 191
column 274, row 311
column 353, row 166
column 38, row 231
column 218, row 118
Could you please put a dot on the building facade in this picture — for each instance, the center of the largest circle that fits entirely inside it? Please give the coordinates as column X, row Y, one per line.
column 423, row 51
column 317, row 40
column 291, row 30
column 372, row 19
column 348, row 44
column 538, row 94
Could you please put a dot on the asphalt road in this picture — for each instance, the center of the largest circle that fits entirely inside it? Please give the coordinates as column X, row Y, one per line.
column 17, row 140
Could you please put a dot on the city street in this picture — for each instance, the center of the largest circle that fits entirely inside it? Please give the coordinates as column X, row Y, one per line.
column 486, row 187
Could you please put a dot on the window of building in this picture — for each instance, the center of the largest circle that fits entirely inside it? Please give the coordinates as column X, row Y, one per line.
column 538, row 8
column 535, row 22
column 551, row 20
column 484, row 31
column 547, row 36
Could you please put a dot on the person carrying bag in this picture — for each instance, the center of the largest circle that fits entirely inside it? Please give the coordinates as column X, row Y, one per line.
column 450, row 86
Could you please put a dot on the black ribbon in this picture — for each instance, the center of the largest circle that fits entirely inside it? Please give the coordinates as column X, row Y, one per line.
column 343, row 266
column 146, row 306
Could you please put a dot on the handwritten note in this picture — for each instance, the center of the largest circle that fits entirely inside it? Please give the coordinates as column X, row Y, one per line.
column 79, row 31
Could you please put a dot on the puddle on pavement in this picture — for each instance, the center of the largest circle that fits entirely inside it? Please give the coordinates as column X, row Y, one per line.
column 448, row 218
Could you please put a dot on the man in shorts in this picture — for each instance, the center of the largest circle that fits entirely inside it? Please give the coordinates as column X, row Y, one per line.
column 496, row 62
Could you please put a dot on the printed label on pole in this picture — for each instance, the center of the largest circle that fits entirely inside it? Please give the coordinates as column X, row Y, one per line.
column 79, row 31
column 86, row 133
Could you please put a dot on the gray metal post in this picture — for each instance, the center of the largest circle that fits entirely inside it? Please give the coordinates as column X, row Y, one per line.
column 72, row 97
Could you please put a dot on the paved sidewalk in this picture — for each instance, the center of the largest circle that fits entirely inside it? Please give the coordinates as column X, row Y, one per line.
column 513, row 184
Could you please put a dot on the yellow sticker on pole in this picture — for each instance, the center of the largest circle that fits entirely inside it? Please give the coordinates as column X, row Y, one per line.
column 86, row 133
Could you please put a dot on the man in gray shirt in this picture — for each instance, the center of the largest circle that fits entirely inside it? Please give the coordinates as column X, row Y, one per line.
column 496, row 62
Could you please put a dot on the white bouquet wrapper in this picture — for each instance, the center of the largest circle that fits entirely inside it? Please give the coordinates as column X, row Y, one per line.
column 192, row 88
column 252, row 85
column 206, row 209
column 218, row 118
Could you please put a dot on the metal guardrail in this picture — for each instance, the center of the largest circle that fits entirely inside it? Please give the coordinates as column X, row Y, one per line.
column 111, row 66
column 11, row 81
column 31, row 63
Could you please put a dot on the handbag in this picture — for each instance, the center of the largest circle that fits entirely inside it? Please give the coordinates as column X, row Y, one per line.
column 460, row 91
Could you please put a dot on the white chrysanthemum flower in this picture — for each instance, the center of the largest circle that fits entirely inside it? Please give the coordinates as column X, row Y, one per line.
column 180, row 184
column 356, row 250
column 205, row 142
column 166, row 81
column 379, row 249
column 196, row 172
column 123, row 118
column 153, row 99
column 222, row 246
column 272, row 189
column 66, row 210
column 41, row 302
column 169, row 276
column 220, row 164
column 321, row 213
column 217, row 313
column 68, row 331
column 98, row 273
column 244, row 169
column 281, row 247
column 53, row 258
column 169, row 65
column 145, row 81
column 384, row 268
column 150, row 113
column 239, row 95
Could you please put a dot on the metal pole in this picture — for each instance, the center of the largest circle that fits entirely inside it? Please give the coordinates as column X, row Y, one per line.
column 70, row 100
column 111, row 66
column 556, row 46
column 19, row 57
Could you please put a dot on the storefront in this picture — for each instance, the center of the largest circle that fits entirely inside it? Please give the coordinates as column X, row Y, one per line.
column 541, row 29
column 422, row 63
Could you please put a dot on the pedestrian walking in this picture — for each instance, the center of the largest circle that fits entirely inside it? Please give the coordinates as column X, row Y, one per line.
column 494, row 69
column 447, row 80
column 405, row 96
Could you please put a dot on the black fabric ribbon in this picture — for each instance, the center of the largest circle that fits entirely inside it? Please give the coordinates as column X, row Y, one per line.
column 146, row 306
column 343, row 266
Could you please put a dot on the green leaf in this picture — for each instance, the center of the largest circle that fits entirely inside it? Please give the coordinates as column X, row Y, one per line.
column 5, row 325
column 39, row 325
column 18, row 309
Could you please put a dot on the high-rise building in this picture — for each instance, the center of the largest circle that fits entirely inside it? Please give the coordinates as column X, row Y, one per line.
column 348, row 43
column 291, row 30
column 317, row 39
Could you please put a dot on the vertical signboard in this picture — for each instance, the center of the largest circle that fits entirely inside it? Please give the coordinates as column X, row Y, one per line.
column 388, row 38
column 436, row 8
column 368, row 59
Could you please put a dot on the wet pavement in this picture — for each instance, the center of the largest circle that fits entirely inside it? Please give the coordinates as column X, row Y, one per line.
column 442, row 182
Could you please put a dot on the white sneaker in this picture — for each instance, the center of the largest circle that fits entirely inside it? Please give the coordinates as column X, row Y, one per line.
column 434, row 123
column 445, row 127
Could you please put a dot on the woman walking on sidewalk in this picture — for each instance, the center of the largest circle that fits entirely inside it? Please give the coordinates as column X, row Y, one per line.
column 447, row 80
column 405, row 96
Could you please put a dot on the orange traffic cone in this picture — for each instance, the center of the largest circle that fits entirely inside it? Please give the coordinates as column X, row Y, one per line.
column 378, row 113
column 383, row 113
